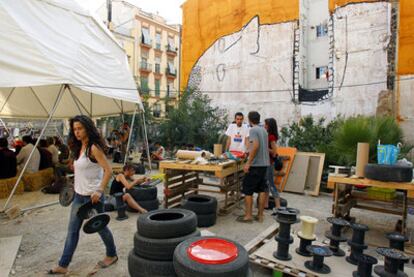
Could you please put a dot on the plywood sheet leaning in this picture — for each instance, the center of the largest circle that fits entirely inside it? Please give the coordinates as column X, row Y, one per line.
column 8, row 250
column 288, row 156
column 298, row 174
column 315, row 170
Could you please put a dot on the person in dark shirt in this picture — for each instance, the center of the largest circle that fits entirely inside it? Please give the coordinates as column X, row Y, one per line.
column 8, row 161
column 124, row 181
column 46, row 158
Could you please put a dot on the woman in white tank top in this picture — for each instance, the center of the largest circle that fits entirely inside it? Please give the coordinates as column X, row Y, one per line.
column 92, row 174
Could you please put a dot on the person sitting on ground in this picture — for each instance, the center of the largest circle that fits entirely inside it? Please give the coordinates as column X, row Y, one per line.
column 7, row 160
column 45, row 155
column 159, row 152
column 23, row 156
column 124, row 181
column 53, row 150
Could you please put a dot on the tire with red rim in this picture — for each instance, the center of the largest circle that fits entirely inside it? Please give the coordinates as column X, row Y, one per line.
column 211, row 257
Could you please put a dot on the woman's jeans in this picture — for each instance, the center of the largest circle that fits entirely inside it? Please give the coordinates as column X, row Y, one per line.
column 271, row 183
column 75, row 224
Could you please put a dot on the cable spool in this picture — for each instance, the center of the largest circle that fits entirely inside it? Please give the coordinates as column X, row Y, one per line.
column 308, row 227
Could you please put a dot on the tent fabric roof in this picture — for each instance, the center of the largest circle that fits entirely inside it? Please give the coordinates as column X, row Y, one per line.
column 47, row 43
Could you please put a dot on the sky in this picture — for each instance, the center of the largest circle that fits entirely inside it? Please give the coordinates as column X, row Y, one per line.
column 169, row 9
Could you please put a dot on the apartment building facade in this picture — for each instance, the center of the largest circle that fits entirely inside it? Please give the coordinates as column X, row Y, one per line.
column 152, row 47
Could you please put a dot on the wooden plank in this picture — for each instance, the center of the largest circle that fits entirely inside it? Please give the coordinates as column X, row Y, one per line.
column 8, row 251
column 258, row 241
column 280, row 180
column 298, row 174
column 371, row 183
column 315, row 170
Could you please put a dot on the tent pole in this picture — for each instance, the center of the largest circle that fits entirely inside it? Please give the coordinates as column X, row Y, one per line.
column 146, row 142
column 5, row 127
column 130, row 136
column 52, row 112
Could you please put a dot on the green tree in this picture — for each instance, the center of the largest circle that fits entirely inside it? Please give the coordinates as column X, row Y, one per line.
column 193, row 121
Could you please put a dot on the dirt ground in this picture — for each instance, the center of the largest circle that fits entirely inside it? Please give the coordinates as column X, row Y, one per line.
column 44, row 232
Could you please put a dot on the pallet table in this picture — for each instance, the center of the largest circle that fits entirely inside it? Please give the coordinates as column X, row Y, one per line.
column 261, row 249
column 346, row 199
column 183, row 178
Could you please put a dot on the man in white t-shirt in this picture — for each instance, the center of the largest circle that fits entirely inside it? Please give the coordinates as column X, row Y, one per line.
column 237, row 134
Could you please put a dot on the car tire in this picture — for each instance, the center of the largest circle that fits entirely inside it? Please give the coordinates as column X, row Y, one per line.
column 186, row 267
column 143, row 193
column 389, row 173
column 206, row 220
column 159, row 249
column 164, row 224
column 200, row 204
column 140, row 267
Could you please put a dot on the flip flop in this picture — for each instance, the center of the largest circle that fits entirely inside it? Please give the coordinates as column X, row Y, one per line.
column 101, row 264
column 51, row 272
column 256, row 217
column 243, row 220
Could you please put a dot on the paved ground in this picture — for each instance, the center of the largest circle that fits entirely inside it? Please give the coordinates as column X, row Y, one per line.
column 44, row 232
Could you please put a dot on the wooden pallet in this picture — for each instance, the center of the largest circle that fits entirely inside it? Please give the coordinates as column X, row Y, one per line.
column 177, row 184
column 261, row 248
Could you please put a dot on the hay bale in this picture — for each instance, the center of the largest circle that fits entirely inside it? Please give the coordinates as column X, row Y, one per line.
column 36, row 181
column 6, row 186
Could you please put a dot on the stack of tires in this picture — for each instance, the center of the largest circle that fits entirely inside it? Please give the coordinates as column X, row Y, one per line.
column 204, row 206
column 145, row 196
column 211, row 256
column 159, row 233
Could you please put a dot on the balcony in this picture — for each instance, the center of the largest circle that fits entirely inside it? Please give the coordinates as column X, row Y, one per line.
column 171, row 73
column 146, row 43
column 157, row 70
column 158, row 47
column 145, row 90
column 171, row 50
column 171, row 93
column 145, row 67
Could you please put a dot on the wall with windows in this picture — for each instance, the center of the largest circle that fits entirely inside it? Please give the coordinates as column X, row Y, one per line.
column 158, row 59
column 315, row 55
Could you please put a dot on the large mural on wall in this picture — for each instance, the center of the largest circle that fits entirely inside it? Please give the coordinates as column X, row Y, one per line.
column 241, row 54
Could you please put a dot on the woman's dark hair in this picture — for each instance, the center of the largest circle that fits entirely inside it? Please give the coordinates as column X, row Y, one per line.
column 272, row 127
column 128, row 167
column 92, row 133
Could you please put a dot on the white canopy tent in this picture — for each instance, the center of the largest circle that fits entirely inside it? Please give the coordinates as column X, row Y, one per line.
column 57, row 60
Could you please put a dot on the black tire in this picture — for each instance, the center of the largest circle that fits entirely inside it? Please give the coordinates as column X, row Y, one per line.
column 200, row 204
column 143, row 193
column 159, row 249
column 389, row 173
column 206, row 220
column 186, row 267
column 271, row 203
column 164, row 224
column 140, row 267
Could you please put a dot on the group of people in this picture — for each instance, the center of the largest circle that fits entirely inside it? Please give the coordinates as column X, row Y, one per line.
column 51, row 152
column 259, row 144
column 93, row 172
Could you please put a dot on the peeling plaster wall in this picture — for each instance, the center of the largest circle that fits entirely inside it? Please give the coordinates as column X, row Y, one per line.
column 259, row 58
column 361, row 30
column 256, row 59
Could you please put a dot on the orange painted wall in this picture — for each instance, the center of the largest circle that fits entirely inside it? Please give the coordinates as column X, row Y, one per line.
column 333, row 4
column 406, row 38
column 206, row 21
